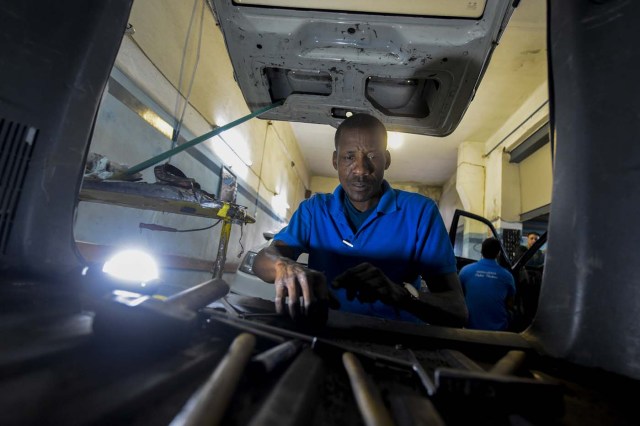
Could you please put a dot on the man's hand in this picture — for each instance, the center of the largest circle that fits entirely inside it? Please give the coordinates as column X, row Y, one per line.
column 369, row 284
column 293, row 280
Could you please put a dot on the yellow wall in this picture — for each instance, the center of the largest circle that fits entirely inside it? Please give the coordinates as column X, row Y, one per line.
column 536, row 180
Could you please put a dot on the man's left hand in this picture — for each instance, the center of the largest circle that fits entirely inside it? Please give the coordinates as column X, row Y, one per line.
column 369, row 284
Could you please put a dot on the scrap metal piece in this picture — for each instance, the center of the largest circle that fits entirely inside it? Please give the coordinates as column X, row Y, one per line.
column 151, row 320
column 413, row 410
column 208, row 404
column 268, row 360
column 419, row 370
column 489, row 392
column 367, row 396
column 294, row 397
column 509, row 364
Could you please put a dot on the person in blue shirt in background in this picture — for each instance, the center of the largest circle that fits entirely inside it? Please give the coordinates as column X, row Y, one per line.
column 489, row 289
column 370, row 242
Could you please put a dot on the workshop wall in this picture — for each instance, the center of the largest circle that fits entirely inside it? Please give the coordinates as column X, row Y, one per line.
column 503, row 190
column 264, row 156
column 449, row 201
column 324, row 184
column 536, row 180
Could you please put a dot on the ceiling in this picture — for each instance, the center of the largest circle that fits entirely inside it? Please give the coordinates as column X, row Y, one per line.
column 518, row 67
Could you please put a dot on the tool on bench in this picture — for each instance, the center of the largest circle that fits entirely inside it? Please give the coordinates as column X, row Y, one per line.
column 208, row 404
column 498, row 391
column 268, row 360
column 367, row 396
column 317, row 344
column 294, row 397
column 153, row 320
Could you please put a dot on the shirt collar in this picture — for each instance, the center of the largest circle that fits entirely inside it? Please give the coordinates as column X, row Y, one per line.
column 388, row 202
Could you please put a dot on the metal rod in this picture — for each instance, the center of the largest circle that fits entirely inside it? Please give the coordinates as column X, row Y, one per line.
column 199, row 296
column 158, row 158
column 367, row 396
column 268, row 360
column 248, row 328
column 509, row 364
column 292, row 401
column 424, row 378
column 221, row 257
column 208, row 404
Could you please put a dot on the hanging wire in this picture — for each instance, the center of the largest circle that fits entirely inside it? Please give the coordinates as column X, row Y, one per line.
column 178, row 128
column 240, row 240
column 160, row 228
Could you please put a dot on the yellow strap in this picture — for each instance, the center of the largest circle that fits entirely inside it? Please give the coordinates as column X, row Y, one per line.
column 224, row 210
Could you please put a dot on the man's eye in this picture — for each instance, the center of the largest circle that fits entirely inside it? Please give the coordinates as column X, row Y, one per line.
column 349, row 157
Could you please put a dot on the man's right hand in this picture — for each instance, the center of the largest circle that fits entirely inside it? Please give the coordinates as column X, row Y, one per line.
column 292, row 280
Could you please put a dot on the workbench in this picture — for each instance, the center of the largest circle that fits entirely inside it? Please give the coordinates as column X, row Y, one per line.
column 55, row 370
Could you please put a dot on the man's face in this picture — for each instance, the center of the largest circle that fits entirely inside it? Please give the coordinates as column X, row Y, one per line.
column 361, row 159
column 531, row 239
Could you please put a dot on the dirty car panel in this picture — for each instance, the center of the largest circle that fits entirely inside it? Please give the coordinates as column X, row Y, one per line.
column 417, row 73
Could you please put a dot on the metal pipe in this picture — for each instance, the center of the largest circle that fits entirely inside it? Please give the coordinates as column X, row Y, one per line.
column 199, row 295
column 225, row 235
column 294, row 398
column 367, row 396
column 208, row 404
column 509, row 364
column 193, row 142
column 268, row 360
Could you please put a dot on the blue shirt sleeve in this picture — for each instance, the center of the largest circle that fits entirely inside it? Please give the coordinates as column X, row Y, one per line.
column 297, row 233
column 433, row 248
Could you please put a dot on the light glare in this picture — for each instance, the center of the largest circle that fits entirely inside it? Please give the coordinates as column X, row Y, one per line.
column 394, row 140
column 132, row 265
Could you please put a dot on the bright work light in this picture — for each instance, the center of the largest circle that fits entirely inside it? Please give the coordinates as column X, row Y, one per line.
column 133, row 266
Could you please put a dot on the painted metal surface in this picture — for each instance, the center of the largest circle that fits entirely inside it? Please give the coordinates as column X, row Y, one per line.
column 417, row 74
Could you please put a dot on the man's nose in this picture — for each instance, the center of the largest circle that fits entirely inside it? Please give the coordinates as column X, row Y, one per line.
column 362, row 165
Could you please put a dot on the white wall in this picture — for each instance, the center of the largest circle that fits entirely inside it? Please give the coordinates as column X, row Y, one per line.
column 449, row 201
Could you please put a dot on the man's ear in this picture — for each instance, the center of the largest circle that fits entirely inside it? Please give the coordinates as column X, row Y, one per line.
column 335, row 160
column 387, row 156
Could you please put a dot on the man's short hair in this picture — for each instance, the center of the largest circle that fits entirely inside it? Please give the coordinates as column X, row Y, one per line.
column 490, row 248
column 361, row 121
column 533, row 233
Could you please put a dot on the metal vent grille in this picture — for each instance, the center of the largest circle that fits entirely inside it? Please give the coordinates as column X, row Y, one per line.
column 16, row 146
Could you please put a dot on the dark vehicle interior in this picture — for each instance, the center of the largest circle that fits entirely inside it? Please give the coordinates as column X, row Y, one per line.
column 77, row 349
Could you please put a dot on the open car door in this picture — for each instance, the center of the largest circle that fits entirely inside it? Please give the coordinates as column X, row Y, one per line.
column 468, row 231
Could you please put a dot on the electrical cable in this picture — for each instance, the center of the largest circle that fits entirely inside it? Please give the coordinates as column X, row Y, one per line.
column 184, row 56
column 176, row 131
column 160, row 228
column 240, row 241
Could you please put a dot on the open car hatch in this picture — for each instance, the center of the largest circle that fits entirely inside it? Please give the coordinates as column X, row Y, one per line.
column 414, row 65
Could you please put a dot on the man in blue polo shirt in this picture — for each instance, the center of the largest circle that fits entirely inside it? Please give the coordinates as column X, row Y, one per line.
column 488, row 289
column 371, row 242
